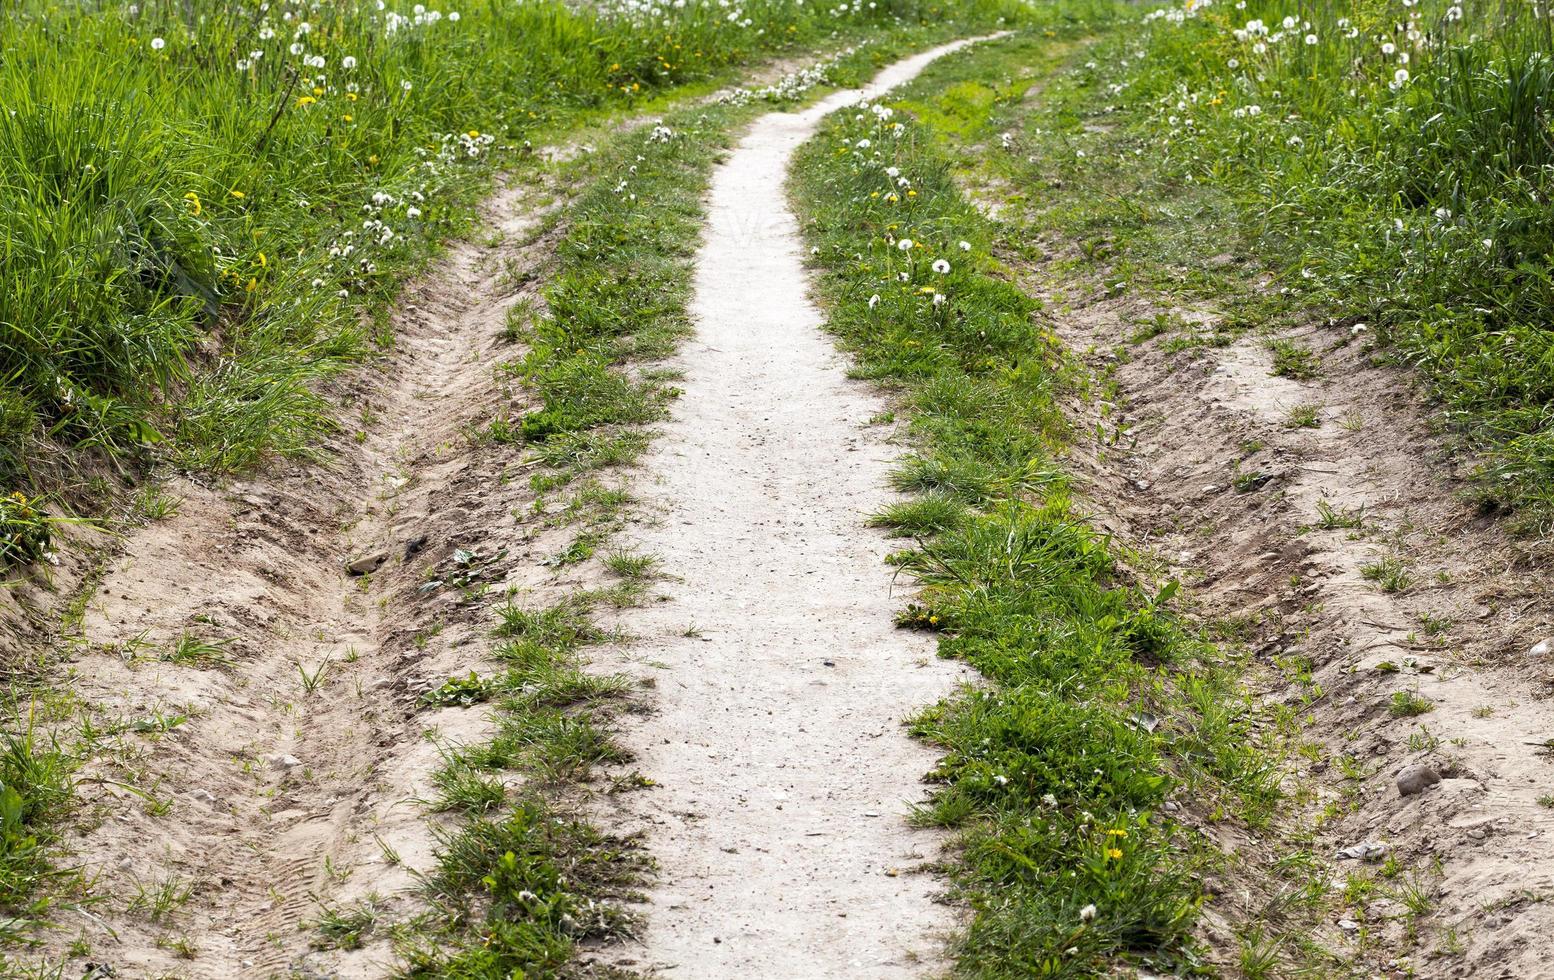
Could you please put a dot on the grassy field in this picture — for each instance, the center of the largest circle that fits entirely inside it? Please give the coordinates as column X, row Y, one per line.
column 206, row 203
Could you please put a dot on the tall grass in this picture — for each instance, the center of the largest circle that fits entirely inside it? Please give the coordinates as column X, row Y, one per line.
column 199, row 198
column 1401, row 160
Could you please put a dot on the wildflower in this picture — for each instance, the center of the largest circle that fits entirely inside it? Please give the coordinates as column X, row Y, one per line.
column 306, row 100
column 194, row 203
column 1400, row 76
column 905, row 244
column 1389, row 48
column 1116, row 832
column 1115, row 853
column 453, row 16
column 939, row 299
column 1311, row 39
column 874, row 301
column 157, row 44
column 1001, row 779
column 237, row 194
column 264, row 263
column 405, row 85
column 965, row 246
column 348, row 62
column 1087, row 914
column 941, row 266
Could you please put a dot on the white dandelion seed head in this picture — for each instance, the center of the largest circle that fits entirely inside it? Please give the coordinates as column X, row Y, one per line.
column 941, row 266
column 905, row 244
column 157, row 44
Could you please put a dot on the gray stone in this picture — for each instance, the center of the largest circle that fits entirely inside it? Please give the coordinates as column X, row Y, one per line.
column 1416, row 779
column 366, row 563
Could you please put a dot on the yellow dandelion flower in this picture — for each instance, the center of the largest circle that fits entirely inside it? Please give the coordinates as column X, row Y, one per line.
column 1115, row 853
column 346, row 117
column 264, row 263
column 306, row 100
column 317, row 90
column 252, row 284
column 351, row 96
column 194, row 202
column 237, row 194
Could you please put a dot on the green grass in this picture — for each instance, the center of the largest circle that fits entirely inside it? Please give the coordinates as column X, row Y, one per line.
column 1408, row 704
column 1285, row 183
column 1102, row 702
column 200, row 201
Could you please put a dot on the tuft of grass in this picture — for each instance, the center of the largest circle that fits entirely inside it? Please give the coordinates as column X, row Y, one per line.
column 1304, row 417
column 1330, row 518
column 1409, row 704
column 1389, row 574
column 348, row 928
column 197, row 651
column 1290, row 360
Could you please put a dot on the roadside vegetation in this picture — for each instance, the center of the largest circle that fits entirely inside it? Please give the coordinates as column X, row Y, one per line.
column 208, row 205
column 1068, row 774
column 1381, row 168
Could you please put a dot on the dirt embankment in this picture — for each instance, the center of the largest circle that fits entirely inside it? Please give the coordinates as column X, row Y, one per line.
column 1321, row 522
column 252, row 665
